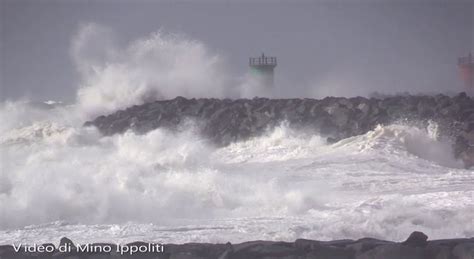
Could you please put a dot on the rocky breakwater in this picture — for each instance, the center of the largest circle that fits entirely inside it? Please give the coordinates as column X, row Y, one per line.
column 223, row 121
column 416, row 246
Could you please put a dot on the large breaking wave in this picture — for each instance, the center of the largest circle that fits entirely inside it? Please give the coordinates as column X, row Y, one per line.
column 160, row 66
column 58, row 178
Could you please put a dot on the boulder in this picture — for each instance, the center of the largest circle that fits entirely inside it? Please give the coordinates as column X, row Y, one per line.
column 416, row 239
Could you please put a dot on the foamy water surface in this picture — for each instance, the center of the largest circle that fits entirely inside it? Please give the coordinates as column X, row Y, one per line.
column 60, row 179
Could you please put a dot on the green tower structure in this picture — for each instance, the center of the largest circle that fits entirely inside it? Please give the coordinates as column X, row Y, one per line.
column 262, row 68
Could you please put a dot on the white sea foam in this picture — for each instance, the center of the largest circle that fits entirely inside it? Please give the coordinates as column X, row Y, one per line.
column 159, row 66
column 58, row 178
column 66, row 180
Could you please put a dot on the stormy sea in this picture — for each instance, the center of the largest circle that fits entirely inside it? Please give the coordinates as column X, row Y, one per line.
column 130, row 160
column 60, row 178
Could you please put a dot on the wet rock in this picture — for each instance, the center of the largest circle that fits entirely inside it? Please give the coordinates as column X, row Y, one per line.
column 416, row 239
column 439, row 252
column 464, row 250
column 223, row 121
column 323, row 252
column 66, row 242
column 264, row 249
column 365, row 244
column 415, row 247
column 195, row 250
column 8, row 251
column 394, row 251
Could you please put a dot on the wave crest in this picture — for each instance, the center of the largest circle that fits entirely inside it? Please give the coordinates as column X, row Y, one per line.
column 160, row 66
column 284, row 184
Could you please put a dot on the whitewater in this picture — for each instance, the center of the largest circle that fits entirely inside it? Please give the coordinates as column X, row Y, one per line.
column 59, row 178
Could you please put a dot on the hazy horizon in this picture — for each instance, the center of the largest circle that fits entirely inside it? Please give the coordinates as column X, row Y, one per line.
column 338, row 48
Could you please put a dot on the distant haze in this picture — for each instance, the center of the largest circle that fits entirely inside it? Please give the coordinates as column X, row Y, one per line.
column 323, row 47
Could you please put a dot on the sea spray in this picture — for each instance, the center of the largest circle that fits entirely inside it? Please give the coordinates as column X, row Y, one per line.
column 58, row 178
column 159, row 66
column 283, row 185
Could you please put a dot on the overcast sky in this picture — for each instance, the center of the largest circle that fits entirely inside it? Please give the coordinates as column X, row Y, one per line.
column 330, row 47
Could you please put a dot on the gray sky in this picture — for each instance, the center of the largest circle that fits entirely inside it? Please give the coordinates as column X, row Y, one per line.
column 338, row 47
